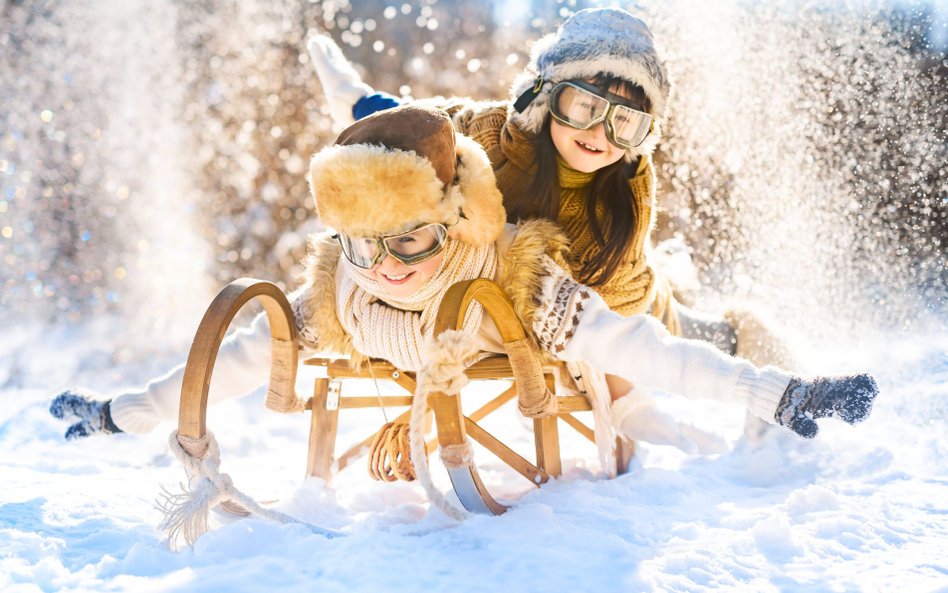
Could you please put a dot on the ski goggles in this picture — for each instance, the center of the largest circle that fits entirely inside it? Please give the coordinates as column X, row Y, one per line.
column 410, row 248
column 581, row 105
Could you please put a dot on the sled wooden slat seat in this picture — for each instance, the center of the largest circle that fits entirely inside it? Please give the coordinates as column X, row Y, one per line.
column 493, row 367
column 520, row 371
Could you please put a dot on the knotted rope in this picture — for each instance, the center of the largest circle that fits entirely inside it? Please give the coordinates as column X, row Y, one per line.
column 186, row 513
column 447, row 356
column 533, row 398
column 592, row 384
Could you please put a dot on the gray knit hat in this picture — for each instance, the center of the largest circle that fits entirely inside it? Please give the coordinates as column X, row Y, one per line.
column 592, row 41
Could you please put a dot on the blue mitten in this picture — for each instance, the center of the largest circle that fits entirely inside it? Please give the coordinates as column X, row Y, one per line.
column 93, row 415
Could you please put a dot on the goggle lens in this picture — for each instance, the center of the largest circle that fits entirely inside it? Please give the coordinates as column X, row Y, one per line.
column 579, row 107
column 418, row 243
column 582, row 109
column 409, row 248
column 361, row 251
column 630, row 126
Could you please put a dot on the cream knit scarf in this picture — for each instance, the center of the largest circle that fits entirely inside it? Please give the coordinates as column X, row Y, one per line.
column 395, row 329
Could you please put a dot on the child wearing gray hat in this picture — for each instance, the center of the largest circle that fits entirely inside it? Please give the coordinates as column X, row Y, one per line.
column 574, row 144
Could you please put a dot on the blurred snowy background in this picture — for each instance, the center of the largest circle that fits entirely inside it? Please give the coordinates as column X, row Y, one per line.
column 151, row 151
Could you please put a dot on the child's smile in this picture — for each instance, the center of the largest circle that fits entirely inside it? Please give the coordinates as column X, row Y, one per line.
column 584, row 150
column 400, row 280
column 397, row 279
column 589, row 147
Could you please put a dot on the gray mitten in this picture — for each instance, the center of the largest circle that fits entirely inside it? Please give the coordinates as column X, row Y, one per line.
column 93, row 414
column 805, row 400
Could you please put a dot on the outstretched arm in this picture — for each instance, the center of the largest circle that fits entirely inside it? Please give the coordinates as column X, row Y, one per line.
column 348, row 97
column 242, row 365
column 574, row 323
column 580, row 326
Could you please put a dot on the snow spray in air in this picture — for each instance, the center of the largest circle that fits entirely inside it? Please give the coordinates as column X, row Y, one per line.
column 805, row 158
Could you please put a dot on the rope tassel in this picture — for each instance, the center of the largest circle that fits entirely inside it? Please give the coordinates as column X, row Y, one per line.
column 187, row 512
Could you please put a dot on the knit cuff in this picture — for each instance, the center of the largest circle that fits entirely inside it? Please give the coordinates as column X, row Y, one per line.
column 134, row 413
column 762, row 390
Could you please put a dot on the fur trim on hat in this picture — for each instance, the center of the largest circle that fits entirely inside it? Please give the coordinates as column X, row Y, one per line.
column 367, row 190
column 482, row 215
column 594, row 41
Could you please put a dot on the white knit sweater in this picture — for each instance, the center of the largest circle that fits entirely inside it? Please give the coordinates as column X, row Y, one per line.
column 574, row 324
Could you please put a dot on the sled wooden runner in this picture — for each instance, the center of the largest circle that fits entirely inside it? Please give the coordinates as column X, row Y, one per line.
column 522, row 367
column 284, row 352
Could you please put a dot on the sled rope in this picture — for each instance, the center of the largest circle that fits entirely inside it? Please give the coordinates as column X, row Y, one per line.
column 390, row 454
column 534, row 399
column 592, row 384
column 448, row 355
column 187, row 512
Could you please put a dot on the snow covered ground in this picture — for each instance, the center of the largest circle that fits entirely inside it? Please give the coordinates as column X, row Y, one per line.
column 859, row 509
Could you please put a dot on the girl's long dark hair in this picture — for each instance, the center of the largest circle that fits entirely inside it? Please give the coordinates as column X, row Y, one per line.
column 610, row 187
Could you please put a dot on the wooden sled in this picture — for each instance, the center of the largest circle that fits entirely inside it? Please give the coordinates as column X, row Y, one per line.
column 521, row 367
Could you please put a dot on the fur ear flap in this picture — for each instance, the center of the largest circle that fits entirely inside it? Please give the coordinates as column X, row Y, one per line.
column 482, row 206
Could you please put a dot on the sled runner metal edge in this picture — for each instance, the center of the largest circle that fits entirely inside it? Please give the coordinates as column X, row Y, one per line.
column 533, row 384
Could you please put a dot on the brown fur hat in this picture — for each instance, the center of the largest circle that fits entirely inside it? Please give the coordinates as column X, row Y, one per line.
column 399, row 168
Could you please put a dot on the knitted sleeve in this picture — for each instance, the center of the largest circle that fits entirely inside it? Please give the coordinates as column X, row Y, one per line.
column 242, row 365
column 574, row 324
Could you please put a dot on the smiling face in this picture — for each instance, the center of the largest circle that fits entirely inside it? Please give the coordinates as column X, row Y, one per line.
column 584, row 150
column 400, row 280
column 590, row 150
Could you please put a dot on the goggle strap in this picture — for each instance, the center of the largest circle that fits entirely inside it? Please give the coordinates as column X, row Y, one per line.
column 527, row 97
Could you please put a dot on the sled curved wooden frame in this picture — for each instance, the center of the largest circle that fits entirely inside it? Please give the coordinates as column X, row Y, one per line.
column 453, row 427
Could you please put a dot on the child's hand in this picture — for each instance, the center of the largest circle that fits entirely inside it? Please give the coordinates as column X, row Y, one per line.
column 93, row 414
column 848, row 398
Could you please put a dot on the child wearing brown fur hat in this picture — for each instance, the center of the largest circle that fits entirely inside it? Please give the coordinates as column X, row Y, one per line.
column 414, row 209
